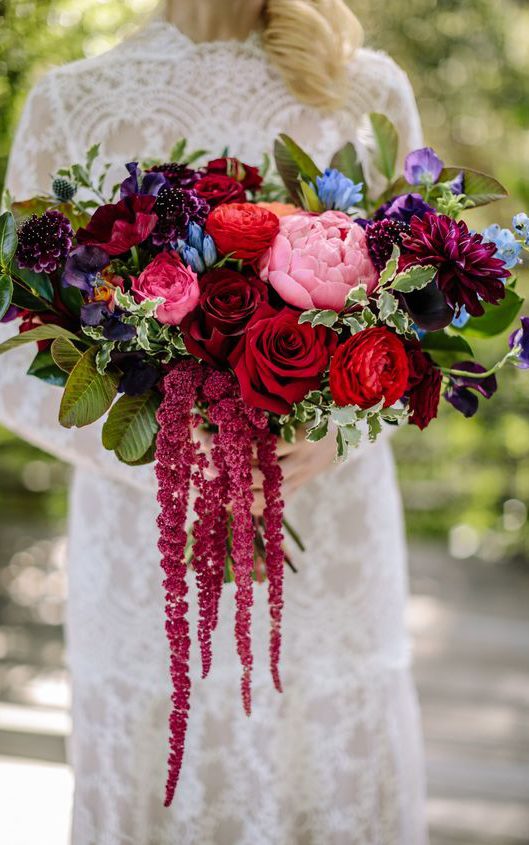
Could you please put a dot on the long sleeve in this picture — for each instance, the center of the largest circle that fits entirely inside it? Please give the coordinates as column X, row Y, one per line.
column 28, row 406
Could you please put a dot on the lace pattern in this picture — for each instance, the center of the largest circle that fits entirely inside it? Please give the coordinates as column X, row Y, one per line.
column 337, row 758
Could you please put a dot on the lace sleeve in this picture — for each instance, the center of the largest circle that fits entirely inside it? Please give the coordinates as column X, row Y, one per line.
column 29, row 407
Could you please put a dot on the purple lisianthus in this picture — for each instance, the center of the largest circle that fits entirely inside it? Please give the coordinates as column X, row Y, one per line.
column 82, row 267
column 422, row 166
column 459, row 393
column 139, row 183
column 99, row 314
column 403, row 208
column 519, row 340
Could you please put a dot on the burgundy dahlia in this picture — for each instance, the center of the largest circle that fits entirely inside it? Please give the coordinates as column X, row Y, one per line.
column 176, row 208
column 178, row 175
column 381, row 236
column 468, row 272
column 44, row 242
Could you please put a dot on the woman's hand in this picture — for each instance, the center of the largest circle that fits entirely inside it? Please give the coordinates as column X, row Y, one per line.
column 299, row 461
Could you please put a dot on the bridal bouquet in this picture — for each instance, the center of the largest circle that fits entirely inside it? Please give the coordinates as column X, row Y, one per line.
column 213, row 297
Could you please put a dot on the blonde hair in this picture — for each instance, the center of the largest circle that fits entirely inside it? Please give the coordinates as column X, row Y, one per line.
column 311, row 42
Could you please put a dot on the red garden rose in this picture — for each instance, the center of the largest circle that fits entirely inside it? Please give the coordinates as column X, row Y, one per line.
column 117, row 227
column 278, row 361
column 228, row 300
column 216, row 188
column 244, row 229
column 370, row 366
column 424, row 385
column 248, row 176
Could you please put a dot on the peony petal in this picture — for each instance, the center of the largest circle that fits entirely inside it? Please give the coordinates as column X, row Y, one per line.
column 290, row 290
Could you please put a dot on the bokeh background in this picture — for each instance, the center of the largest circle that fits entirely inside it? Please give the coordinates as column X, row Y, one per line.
column 465, row 484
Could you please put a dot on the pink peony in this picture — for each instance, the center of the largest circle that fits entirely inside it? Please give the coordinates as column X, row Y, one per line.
column 166, row 276
column 314, row 261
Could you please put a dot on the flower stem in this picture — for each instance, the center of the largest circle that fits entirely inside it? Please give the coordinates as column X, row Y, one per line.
column 465, row 374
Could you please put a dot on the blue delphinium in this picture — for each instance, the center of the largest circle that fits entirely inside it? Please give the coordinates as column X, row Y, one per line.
column 508, row 249
column 520, row 223
column 461, row 319
column 337, row 191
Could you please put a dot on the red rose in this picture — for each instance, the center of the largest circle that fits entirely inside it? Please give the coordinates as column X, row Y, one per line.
column 117, row 227
column 227, row 302
column 278, row 361
column 424, row 385
column 248, row 176
column 244, row 229
column 370, row 366
column 217, row 188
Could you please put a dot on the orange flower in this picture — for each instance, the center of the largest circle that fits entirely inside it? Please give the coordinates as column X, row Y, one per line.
column 280, row 209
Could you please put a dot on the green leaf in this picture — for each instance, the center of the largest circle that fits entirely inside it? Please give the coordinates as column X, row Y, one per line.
column 88, row 394
column 318, row 432
column 374, row 427
column 6, row 293
column 44, row 367
column 288, row 433
column 131, row 425
column 288, row 171
column 387, row 142
column 72, row 298
column 357, row 296
column 48, row 332
column 91, row 156
column 147, row 458
column 195, row 155
column 306, row 167
column 39, row 283
column 327, row 317
column 177, row 152
column 311, row 201
column 8, row 239
column 414, row 278
column 446, row 349
column 346, row 161
column 24, row 299
column 496, row 319
column 477, row 186
column 354, row 324
column 387, row 305
column 389, row 271
column 65, row 354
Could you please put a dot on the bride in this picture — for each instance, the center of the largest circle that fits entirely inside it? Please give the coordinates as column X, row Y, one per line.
column 337, row 758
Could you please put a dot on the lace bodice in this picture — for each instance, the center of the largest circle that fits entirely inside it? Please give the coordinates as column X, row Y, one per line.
column 336, row 759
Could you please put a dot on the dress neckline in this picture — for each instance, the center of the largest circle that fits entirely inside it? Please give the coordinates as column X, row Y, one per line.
column 252, row 39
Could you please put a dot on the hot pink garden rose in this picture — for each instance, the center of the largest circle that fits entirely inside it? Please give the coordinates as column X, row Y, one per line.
column 167, row 276
column 315, row 260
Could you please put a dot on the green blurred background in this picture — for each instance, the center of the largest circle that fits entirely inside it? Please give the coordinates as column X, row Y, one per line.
column 464, row 482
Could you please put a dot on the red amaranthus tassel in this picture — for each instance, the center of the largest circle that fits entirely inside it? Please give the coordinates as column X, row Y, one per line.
column 175, row 456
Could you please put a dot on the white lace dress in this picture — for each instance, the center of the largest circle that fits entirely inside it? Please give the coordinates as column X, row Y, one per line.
column 336, row 759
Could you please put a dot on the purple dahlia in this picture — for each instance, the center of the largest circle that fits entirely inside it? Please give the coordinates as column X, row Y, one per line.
column 468, row 273
column 381, row 236
column 176, row 208
column 178, row 175
column 403, row 207
column 44, row 242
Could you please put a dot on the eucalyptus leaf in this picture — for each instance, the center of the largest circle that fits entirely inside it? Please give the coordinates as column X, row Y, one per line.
column 387, row 141
column 131, row 425
column 496, row 319
column 47, row 332
column 414, row 278
column 88, row 394
column 8, row 239
column 6, row 293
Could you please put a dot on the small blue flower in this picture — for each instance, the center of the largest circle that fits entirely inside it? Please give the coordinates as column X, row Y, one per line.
column 519, row 340
column 192, row 258
column 195, row 236
column 209, row 251
column 338, row 192
column 461, row 319
column 422, row 167
column 520, row 223
column 507, row 247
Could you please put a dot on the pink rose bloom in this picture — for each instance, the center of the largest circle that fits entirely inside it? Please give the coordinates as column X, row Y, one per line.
column 315, row 260
column 167, row 276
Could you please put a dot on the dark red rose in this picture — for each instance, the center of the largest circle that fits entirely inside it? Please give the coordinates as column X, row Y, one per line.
column 370, row 366
column 278, row 361
column 217, row 188
column 228, row 300
column 117, row 227
column 244, row 229
column 248, row 176
column 424, row 385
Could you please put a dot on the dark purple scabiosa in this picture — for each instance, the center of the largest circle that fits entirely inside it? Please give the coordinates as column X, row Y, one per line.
column 519, row 340
column 468, row 273
column 460, row 391
column 177, row 175
column 176, row 208
column 381, row 236
column 403, row 208
column 44, row 242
